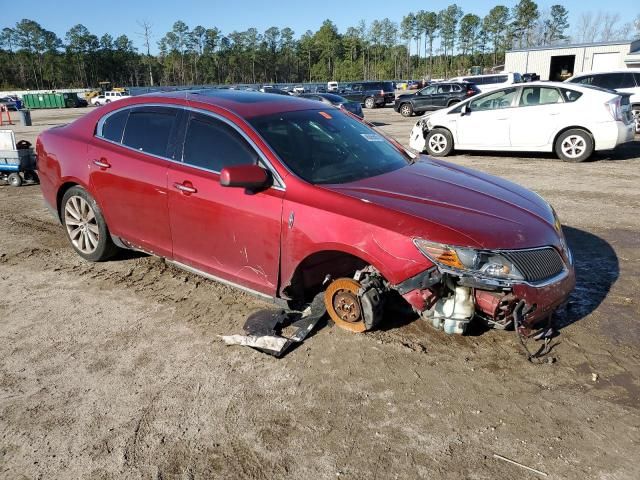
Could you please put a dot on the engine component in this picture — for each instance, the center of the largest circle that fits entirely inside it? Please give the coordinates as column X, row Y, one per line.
column 496, row 307
column 453, row 314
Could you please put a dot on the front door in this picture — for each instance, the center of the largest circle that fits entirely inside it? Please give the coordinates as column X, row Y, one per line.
column 487, row 121
column 227, row 232
column 128, row 173
column 423, row 99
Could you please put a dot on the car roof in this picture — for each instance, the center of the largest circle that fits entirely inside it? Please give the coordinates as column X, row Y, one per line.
column 601, row 72
column 244, row 103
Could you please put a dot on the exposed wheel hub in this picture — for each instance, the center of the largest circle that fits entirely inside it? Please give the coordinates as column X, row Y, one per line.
column 343, row 304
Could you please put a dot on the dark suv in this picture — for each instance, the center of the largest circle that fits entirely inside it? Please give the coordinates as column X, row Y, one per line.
column 434, row 97
column 370, row 94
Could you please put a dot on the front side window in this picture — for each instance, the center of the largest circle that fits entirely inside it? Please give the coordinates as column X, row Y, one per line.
column 428, row 91
column 494, row 101
column 149, row 129
column 325, row 147
column 532, row 96
column 213, row 145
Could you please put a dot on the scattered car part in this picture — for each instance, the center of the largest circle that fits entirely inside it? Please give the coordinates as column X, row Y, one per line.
column 264, row 328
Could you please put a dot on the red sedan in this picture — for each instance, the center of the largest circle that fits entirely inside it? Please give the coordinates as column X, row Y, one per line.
column 287, row 198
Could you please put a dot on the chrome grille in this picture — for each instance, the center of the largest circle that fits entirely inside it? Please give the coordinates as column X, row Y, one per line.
column 536, row 265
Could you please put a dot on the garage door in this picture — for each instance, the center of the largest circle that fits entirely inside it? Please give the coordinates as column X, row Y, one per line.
column 605, row 61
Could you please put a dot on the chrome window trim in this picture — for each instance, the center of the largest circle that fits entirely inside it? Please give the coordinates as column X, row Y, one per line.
column 278, row 181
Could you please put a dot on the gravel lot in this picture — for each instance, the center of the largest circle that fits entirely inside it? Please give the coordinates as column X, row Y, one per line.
column 115, row 370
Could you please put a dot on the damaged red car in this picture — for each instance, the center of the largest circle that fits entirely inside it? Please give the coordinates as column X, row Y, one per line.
column 287, row 198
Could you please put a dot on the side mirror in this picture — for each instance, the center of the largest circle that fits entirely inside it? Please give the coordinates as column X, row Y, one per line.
column 464, row 110
column 251, row 177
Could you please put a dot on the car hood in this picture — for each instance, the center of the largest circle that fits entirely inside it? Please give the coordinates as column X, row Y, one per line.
column 452, row 204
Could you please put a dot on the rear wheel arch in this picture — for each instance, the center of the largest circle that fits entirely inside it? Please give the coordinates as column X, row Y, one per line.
column 574, row 127
column 60, row 195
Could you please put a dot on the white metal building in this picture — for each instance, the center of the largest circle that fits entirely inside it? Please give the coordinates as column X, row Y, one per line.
column 562, row 61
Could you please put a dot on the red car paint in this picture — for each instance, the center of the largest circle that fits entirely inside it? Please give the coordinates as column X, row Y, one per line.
column 260, row 241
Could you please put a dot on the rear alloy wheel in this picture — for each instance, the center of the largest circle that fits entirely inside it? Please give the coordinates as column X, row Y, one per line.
column 343, row 304
column 406, row 110
column 369, row 102
column 574, row 146
column 14, row 179
column 439, row 142
column 85, row 226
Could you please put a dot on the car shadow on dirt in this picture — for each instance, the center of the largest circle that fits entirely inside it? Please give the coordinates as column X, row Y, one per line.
column 597, row 269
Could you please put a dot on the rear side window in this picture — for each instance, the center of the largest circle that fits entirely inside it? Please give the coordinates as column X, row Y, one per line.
column 149, row 129
column 113, row 126
column 532, row 96
column 616, row 80
column 570, row 95
column 213, row 145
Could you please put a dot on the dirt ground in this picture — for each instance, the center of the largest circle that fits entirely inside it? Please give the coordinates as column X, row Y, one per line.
column 115, row 370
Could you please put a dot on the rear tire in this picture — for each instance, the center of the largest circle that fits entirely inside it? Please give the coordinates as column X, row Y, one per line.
column 406, row 110
column 96, row 104
column 439, row 142
column 85, row 226
column 575, row 145
column 14, row 179
column 369, row 102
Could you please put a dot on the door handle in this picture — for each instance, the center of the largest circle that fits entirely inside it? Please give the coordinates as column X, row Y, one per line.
column 186, row 189
column 102, row 163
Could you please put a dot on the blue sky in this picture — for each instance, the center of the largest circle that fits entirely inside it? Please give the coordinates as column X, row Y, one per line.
column 120, row 16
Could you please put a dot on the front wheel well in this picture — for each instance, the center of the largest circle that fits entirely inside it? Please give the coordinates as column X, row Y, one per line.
column 310, row 274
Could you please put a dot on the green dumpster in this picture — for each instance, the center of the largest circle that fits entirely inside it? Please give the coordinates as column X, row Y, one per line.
column 45, row 100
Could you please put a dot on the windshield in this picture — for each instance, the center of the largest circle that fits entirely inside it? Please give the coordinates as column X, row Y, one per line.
column 328, row 146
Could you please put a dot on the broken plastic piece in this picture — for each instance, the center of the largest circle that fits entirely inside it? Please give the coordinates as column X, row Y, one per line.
column 264, row 328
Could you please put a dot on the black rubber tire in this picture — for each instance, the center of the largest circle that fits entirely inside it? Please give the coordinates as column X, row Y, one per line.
column 448, row 147
column 579, row 133
column 108, row 101
column 369, row 102
column 31, row 176
column 106, row 248
column 97, row 104
column 635, row 110
column 14, row 179
column 406, row 110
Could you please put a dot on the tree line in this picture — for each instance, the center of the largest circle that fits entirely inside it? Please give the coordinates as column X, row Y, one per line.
column 424, row 44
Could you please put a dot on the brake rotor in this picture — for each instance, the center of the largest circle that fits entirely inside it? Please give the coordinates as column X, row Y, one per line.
column 343, row 304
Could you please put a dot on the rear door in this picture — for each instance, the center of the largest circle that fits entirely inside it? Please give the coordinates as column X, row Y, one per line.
column 128, row 173
column 227, row 232
column 533, row 123
column 487, row 122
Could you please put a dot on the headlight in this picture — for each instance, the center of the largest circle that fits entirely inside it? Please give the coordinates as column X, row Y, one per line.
column 481, row 262
column 563, row 241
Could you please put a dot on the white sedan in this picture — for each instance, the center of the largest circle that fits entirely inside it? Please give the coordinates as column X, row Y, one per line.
column 571, row 121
